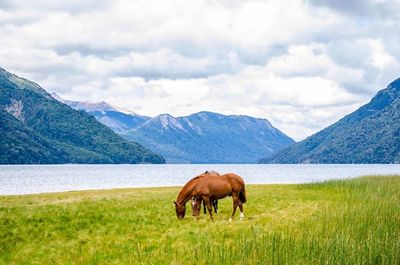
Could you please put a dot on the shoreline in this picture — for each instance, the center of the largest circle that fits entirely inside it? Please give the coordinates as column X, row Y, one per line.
column 28, row 180
column 139, row 188
column 128, row 189
column 149, row 188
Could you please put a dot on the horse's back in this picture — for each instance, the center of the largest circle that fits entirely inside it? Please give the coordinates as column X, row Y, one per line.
column 231, row 178
column 234, row 178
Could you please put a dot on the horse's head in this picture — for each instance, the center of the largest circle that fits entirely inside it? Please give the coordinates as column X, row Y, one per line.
column 180, row 210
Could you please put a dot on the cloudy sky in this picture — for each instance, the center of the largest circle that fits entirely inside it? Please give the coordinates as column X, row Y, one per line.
column 300, row 64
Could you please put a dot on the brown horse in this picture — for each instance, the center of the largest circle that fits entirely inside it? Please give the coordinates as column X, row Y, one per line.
column 212, row 188
column 196, row 201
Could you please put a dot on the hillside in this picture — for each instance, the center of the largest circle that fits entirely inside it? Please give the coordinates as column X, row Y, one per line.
column 371, row 134
column 207, row 137
column 117, row 119
column 37, row 129
column 203, row 137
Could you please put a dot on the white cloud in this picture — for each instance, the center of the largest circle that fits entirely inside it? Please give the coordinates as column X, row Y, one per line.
column 301, row 64
column 379, row 57
column 290, row 103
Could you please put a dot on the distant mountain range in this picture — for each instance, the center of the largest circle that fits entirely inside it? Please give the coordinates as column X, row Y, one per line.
column 371, row 134
column 37, row 129
column 207, row 137
column 203, row 137
column 119, row 120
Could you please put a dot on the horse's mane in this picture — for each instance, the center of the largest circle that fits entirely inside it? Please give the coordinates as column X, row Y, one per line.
column 190, row 182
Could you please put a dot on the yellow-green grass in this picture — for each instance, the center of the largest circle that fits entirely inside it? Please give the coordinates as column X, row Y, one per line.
column 353, row 221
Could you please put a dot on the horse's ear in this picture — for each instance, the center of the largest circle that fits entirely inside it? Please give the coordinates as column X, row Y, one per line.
column 176, row 204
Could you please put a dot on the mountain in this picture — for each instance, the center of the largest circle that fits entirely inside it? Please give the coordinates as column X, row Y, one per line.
column 203, row 137
column 91, row 106
column 21, row 145
column 119, row 122
column 371, row 134
column 118, row 119
column 207, row 137
column 37, row 129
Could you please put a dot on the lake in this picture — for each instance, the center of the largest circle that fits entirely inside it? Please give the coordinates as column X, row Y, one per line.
column 32, row 179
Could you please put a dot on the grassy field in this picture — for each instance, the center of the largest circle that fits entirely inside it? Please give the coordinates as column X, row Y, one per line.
column 337, row 222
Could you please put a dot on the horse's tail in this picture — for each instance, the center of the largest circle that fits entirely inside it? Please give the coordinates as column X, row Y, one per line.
column 242, row 195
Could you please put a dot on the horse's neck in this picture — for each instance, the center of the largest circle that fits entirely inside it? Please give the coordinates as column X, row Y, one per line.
column 185, row 194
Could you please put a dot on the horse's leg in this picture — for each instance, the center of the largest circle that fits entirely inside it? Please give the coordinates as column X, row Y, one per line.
column 215, row 205
column 204, row 207
column 198, row 208
column 235, row 198
column 241, row 209
column 208, row 203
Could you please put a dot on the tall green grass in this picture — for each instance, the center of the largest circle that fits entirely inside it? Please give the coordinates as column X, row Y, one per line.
column 353, row 221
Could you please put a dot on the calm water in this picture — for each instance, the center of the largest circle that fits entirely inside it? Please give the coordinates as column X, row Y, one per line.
column 54, row 178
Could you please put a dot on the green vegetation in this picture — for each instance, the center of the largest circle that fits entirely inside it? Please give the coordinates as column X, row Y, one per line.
column 206, row 137
column 336, row 222
column 368, row 135
column 37, row 129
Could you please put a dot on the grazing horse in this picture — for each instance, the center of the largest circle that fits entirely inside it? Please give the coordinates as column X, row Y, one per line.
column 196, row 201
column 212, row 188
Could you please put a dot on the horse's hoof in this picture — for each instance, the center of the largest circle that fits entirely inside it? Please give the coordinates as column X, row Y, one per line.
column 230, row 220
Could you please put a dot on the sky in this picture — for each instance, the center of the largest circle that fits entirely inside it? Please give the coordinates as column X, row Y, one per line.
column 301, row 64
